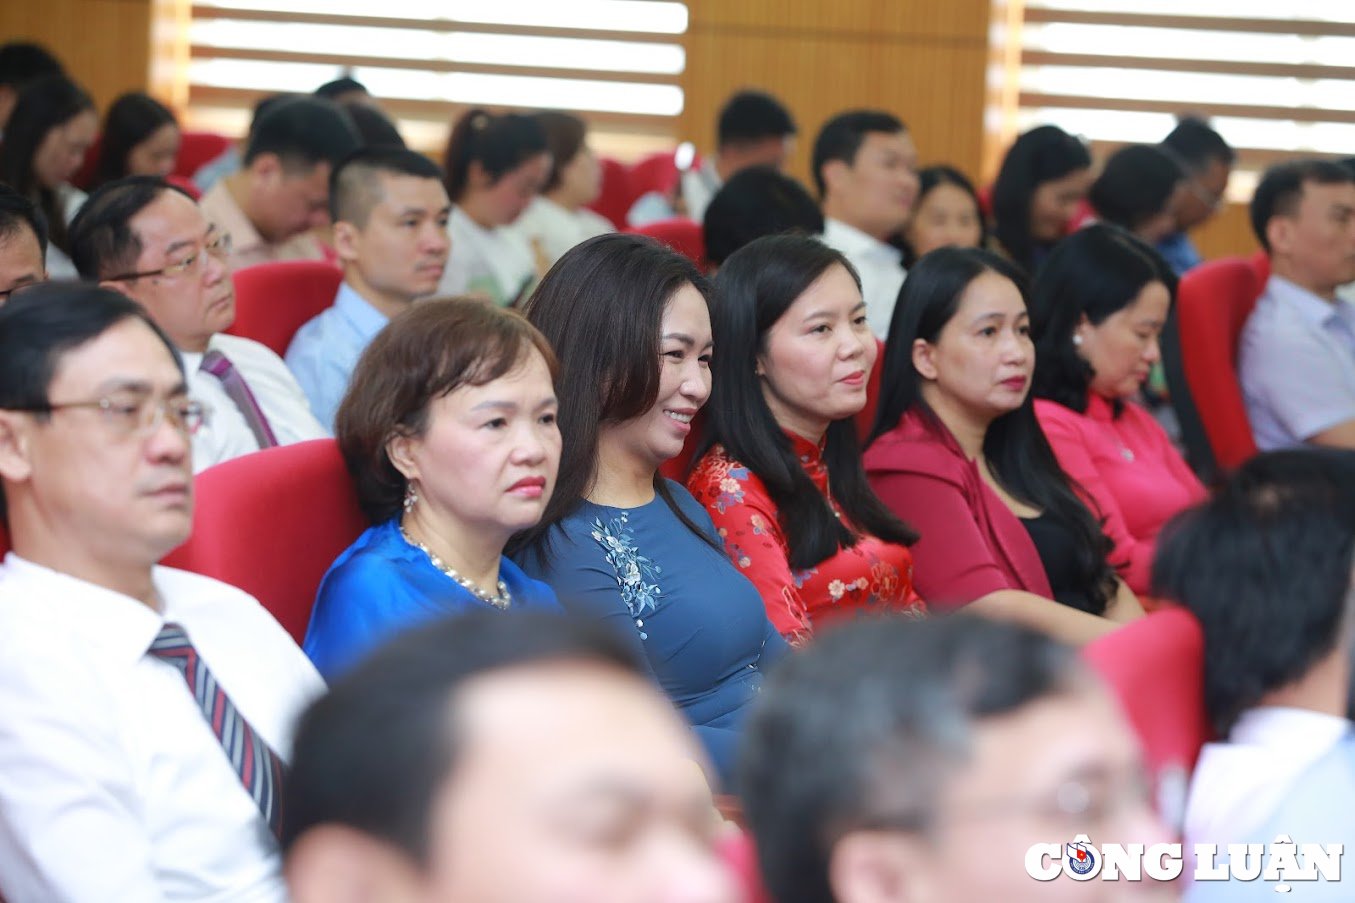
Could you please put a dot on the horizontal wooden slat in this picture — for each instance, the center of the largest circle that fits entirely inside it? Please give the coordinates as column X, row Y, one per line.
column 206, row 13
column 385, row 62
column 1247, row 157
column 1029, row 99
column 245, row 98
column 1167, row 64
column 1306, row 27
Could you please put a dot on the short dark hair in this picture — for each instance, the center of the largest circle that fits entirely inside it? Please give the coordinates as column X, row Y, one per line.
column 752, row 116
column 44, row 104
column 1265, row 565
column 375, row 128
column 757, row 201
column 930, row 178
column 1015, row 447
column 601, row 308
column 131, row 119
column 841, row 137
column 372, row 753
column 1198, row 145
column 303, row 132
column 566, row 135
column 500, row 144
column 23, row 61
column 754, row 289
column 1044, row 154
column 354, row 186
column 1136, row 184
column 333, row 90
column 431, row 349
column 102, row 240
column 43, row 323
column 18, row 213
column 1095, row 272
column 866, row 726
column 1281, row 190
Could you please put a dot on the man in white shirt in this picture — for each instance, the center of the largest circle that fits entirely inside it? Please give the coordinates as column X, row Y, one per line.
column 492, row 758
column 150, row 241
column 865, row 167
column 1296, row 356
column 1266, row 567
column 145, row 713
column 390, row 229
column 754, row 129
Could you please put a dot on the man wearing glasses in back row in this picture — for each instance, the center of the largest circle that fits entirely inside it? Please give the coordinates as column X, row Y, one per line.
column 147, row 239
column 145, row 713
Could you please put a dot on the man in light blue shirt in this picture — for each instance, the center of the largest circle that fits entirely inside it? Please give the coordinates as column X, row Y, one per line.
column 1208, row 161
column 1296, row 358
column 390, row 215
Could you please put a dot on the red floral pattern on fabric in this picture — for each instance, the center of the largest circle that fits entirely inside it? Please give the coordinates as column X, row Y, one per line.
column 872, row 576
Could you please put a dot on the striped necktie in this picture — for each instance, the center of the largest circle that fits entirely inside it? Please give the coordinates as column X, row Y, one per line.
column 237, row 390
column 260, row 770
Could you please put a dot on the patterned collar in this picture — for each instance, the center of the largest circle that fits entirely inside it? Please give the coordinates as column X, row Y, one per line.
column 811, row 457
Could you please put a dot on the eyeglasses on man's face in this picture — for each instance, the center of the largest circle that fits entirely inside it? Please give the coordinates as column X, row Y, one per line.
column 217, row 245
column 134, row 415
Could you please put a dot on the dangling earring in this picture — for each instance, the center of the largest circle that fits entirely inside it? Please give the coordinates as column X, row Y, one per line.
column 411, row 497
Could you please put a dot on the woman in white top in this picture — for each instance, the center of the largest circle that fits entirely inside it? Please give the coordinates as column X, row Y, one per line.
column 494, row 167
column 557, row 219
column 51, row 128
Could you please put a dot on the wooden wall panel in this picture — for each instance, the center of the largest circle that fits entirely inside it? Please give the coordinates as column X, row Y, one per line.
column 104, row 44
column 922, row 60
column 1227, row 234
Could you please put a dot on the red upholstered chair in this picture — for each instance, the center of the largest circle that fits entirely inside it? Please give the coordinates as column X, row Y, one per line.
column 84, row 176
column 656, row 172
column 1155, row 666
column 274, row 300
column 197, row 149
column 616, row 196
column 740, row 857
column 185, row 185
column 271, row 523
column 1213, row 303
column 866, row 419
column 681, row 234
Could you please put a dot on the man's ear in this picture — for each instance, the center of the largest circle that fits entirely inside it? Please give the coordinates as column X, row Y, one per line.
column 266, row 170
column 347, row 239
column 835, row 173
column 15, row 441
column 336, row 864
column 1280, row 234
column 880, row 867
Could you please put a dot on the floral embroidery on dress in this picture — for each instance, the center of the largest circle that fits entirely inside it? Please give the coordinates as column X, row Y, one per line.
column 731, row 489
column 636, row 576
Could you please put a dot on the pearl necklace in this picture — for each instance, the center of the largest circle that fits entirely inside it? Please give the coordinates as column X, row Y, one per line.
column 500, row 601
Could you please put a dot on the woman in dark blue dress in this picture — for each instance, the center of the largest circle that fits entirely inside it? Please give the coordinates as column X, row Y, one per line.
column 448, row 429
column 631, row 323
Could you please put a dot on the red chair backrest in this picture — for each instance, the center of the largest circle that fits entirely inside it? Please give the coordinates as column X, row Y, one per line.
column 274, row 300
column 197, row 149
column 681, row 234
column 740, row 857
column 866, row 418
column 616, row 196
column 1155, row 666
column 84, row 176
column 656, row 172
column 1213, row 303
column 271, row 523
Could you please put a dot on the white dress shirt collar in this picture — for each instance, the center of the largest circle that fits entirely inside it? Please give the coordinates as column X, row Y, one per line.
column 852, row 241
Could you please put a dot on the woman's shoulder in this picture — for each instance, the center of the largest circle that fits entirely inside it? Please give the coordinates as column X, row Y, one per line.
column 707, row 480
column 915, row 446
column 369, row 557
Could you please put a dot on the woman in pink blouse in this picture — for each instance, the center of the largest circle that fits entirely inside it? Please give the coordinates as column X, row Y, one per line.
column 782, row 476
column 1097, row 310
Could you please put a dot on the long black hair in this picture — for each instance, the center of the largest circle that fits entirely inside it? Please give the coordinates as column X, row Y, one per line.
column 43, row 105
column 601, row 308
column 754, row 288
column 1043, row 154
column 1014, row 447
column 1094, row 272
column 131, row 119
